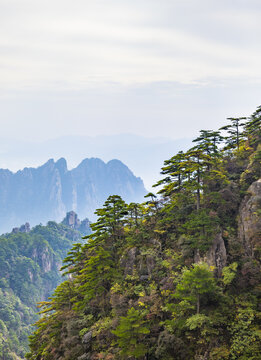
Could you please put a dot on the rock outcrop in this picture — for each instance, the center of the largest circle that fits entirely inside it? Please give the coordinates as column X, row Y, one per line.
column 249, row 228
column 25, row 228
column 216, row 255
column 71, row 219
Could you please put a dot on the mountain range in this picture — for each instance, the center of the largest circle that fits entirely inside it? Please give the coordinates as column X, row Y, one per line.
column 143, row 155
column 37, row 195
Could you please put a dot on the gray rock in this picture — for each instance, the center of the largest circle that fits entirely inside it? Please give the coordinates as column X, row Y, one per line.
column 129, row 260
column 150, row 262
column 197, row 257
column 217, row 254
column 84, row 357
column 87, row 338
column 144, row 277
column 249, row 223
column 72, row 220
column 23, row 228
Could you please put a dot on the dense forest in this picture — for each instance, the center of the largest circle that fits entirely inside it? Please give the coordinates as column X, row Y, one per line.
column 177, row 277
column 30, row 261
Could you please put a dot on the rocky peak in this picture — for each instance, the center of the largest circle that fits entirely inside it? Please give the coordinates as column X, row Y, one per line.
column 25, row 228
column 72, row 220
column 75, row 223
column 61, row 164
column 49, row 191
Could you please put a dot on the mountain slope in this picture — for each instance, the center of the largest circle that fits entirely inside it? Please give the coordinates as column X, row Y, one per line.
column 176, row 278
column 30, row 261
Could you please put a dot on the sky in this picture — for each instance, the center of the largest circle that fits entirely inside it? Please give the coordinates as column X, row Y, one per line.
column 146, row 67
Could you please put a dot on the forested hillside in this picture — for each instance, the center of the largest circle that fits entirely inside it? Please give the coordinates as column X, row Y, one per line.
column 29, row 273
column 177, row 277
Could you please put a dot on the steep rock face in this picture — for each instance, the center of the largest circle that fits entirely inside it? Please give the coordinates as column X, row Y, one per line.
column 216, row 255
column 129, row 261
column 45, row 259
column 249, row 229
column 71, row 219
column 144, row 264
column 46, row 193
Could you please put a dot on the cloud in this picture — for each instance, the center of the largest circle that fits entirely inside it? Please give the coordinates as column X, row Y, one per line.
column 46, row 44
column 148, row 67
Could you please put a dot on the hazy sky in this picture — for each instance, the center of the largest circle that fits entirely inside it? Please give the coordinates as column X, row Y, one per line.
column 149, row 67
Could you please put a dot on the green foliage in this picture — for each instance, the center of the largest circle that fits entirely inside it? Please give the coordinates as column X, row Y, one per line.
column 200, row 228
column 246, row 337
column 229, row 273
column 29, row 264
column 233, row 131
column 197, row 321
column 110, row 217
column 131, row 334
column 195, row 283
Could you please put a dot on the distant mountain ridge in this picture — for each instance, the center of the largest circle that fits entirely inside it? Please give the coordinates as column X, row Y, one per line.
column 143, row 155
column 40, row 194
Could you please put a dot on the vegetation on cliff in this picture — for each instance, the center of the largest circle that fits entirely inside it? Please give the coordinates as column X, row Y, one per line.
column 29, row 272
column 176, row 277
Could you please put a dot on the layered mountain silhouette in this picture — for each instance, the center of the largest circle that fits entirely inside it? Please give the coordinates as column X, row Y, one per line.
column 37, row 195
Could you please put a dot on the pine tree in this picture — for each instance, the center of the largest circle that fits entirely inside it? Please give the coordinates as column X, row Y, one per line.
column 131, row 334
column 235, row 135
column 195, row 283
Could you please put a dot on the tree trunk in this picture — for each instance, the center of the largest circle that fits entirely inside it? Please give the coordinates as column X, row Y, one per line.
column 198, row 304
column 198, row 199
column 198, row 189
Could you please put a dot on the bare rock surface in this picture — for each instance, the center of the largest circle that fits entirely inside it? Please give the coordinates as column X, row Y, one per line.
column 217, row 254
column 129, row 260
column 249, row 223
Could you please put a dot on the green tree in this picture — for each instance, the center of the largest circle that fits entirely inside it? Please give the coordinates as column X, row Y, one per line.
column 194, row 284
column 174, row 168
column 246, row 335
column 253, row 128
column 131, row 334
column 234, row 133
column 208, row 141
column 110, row 217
